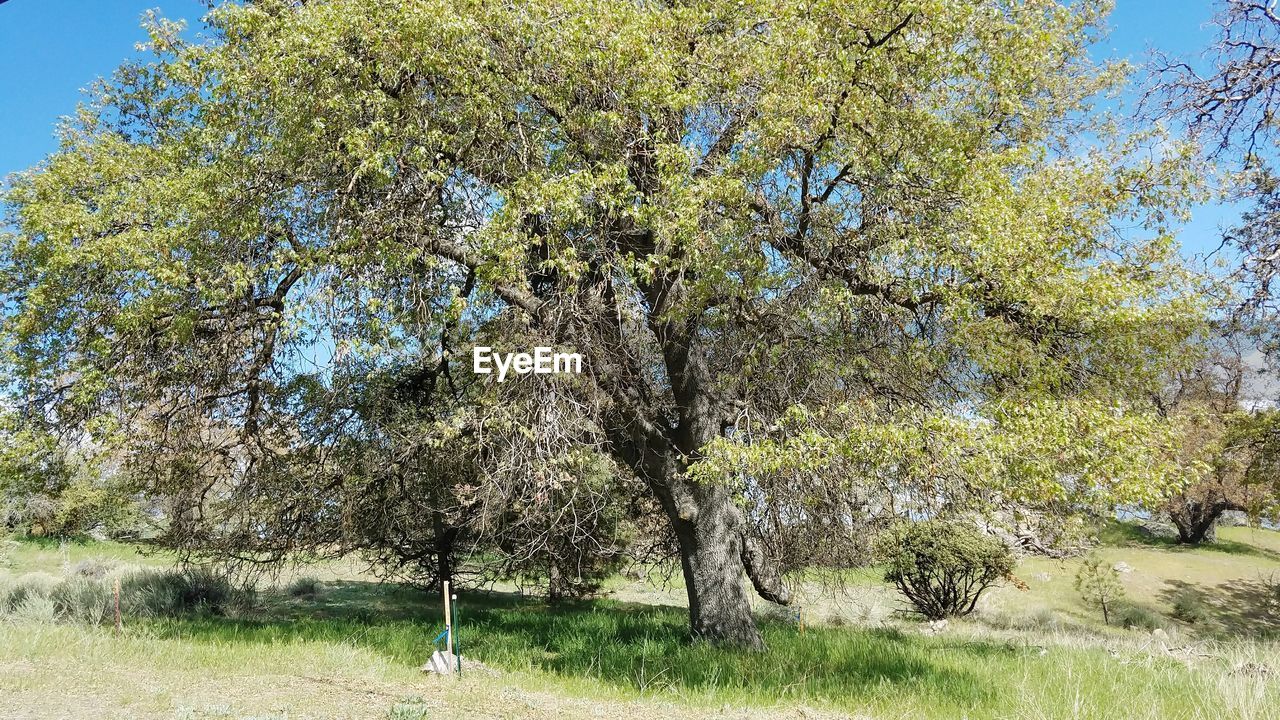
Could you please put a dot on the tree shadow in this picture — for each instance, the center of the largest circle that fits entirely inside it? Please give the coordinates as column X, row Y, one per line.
column 641, row 647
column 1243, row 607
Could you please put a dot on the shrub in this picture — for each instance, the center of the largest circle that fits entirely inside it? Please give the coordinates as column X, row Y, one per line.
column 1044, row 619
column 31, row 585
column 179, row 592
column 81, row 599
column 35, row 608
column 1099, row 586
column 144, row 594
column 96, row 568
column 303, row 587
column 942, row 567
column 1189, row 607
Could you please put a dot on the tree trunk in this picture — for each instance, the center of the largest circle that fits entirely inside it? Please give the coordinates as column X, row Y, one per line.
column 1200, row 531
column 716, row 547
column 444, row 541
column 1197, row 522
column 555, row 582
column 711, row 558
column 715, row 552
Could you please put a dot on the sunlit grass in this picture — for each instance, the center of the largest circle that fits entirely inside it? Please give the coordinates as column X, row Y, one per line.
column 1053, row 661
column 23, row 555
column 617, row 650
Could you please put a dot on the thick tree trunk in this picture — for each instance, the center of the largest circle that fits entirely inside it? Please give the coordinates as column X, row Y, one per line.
column 711, row 558
column 716, row 554
column 1197, row 521
column 716, row 547
column 1203, row 530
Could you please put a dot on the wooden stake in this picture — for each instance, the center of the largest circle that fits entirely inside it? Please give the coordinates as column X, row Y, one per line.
column 119, row 620
column 448, row 620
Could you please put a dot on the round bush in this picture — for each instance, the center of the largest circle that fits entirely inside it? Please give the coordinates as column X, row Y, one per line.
column 942, row 567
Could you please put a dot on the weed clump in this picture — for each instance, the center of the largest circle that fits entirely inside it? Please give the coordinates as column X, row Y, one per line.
column 304, row 587
column 31, row 585
column 1190, row 607
column 183, row 592
column 96, row 568
column 83, row 599
column 1138, row 617
column 410, row 708
column 91, row 600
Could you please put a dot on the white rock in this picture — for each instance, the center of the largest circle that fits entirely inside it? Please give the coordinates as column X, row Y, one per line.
column 441, row 663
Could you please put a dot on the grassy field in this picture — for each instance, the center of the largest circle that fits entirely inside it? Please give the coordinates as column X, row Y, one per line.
column 352, row 650
column 1235, row 580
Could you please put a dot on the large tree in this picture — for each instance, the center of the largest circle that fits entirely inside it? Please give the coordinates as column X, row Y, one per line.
column 1226, row 449
column 823, row 260
column 1230, row 102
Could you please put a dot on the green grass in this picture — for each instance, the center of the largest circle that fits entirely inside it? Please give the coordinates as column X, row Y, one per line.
column 620, row 650
column 364, row 635
column 28, row 554
column 1251, row 542
column 881, row 671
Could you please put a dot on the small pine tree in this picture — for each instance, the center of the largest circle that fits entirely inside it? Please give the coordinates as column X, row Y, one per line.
column 1099, row 585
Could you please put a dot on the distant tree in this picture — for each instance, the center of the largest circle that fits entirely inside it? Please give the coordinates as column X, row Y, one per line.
column 823, row 262
column 48, row 488
column 1232, row 108
column 1226, row 451
column 1099, row 586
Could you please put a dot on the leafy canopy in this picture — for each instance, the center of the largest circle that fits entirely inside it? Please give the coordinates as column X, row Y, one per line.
column 813, row 244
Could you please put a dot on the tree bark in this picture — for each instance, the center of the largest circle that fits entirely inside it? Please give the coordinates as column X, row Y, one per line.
column 1197, row 521
column 714, row 551
column 444, row 541
column 762, row 572
column 711, row 558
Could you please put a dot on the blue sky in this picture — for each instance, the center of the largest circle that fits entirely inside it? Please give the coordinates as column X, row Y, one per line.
column 51, row 49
